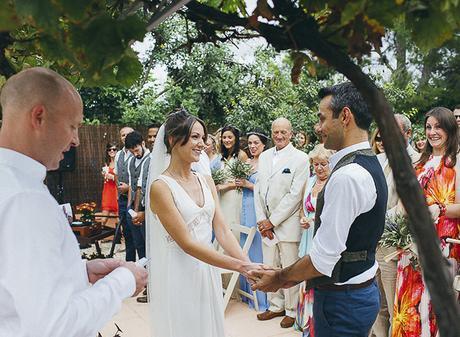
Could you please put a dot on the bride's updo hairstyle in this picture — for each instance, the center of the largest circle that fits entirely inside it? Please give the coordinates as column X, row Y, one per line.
column 178, row 126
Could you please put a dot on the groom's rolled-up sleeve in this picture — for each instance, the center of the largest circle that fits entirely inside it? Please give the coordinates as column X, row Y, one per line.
column 44, row 278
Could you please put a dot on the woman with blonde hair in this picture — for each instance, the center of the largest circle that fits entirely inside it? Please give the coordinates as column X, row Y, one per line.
column 319, row 159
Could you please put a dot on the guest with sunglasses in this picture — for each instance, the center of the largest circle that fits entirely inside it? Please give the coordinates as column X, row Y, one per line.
column 109, row 203
column 376, row 142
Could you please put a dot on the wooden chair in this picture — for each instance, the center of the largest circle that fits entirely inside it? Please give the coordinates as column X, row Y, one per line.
column 250, row 232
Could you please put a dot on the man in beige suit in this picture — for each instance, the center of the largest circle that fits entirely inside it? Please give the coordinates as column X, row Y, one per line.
column 283, row 172
column 386, row 276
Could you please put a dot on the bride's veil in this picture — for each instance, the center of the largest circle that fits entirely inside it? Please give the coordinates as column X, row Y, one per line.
column 159, row 161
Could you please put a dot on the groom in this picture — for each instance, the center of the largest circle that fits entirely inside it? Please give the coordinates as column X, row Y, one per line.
column 350, row 216
column 283, row 172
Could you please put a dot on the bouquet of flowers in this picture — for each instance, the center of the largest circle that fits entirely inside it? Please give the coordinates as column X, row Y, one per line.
column 86, row 211
column 396, row 234
column 237, row 169
column 219, row 176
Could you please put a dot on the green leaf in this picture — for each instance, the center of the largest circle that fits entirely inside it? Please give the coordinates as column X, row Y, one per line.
column 8, row 18
column 75, row 9
column 41, row 12
column 129, row 70
column 132, row 28
column 351, row 10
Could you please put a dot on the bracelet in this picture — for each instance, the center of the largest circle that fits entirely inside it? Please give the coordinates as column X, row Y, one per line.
column 442, row 209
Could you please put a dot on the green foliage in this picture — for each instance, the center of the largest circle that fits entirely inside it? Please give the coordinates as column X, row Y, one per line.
column 80, row 39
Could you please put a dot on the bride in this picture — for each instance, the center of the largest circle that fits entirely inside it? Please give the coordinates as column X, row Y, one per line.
column 185, row 289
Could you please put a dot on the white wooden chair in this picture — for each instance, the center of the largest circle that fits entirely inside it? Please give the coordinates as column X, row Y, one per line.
column 250, row 232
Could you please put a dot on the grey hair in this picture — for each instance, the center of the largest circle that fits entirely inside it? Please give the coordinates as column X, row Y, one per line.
column 406, row 123
column 320, row 152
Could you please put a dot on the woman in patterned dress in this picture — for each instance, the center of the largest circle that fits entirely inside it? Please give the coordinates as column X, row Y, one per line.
column 437, row 172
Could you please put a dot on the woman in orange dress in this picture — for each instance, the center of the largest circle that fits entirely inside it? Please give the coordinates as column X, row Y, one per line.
column 109, row 203
column 437, row 173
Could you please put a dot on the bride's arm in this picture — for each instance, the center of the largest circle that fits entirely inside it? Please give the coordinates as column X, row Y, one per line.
column 162, row 203
column 223, row 234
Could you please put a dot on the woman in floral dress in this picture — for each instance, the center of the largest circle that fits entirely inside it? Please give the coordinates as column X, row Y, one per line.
column 437, row 173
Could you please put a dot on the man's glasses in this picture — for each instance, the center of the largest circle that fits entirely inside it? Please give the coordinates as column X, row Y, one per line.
column 112, row 149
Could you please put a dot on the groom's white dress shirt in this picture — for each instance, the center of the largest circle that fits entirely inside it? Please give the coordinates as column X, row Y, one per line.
column 44, row 287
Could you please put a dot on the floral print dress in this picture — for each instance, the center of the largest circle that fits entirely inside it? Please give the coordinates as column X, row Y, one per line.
column 413, row 315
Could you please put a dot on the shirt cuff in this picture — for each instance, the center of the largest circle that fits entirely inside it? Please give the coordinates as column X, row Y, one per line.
column 124, row 281
column 323, row 263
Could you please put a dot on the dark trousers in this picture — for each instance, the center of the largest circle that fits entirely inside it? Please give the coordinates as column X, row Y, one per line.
column 345, row 313
column 126, row 225
column 138, row 235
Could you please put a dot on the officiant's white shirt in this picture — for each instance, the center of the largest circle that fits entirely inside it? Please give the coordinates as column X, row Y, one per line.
column 44, row 287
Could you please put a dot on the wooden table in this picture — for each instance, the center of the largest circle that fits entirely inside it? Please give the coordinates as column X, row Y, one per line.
column 95, row 238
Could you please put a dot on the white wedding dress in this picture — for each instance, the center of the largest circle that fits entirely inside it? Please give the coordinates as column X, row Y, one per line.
column 185, row 293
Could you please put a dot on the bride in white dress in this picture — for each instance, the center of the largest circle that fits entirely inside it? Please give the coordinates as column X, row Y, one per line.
column 185, row 288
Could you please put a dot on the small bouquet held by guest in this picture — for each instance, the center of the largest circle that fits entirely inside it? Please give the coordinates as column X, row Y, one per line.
column 219, row 176
column 396, row 234
column 238, row 169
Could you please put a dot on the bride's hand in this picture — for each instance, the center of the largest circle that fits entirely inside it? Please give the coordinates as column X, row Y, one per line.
column 247, row 267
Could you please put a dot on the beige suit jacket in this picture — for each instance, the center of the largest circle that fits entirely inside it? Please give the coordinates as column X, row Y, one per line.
column 393, row 197
column 278, row 191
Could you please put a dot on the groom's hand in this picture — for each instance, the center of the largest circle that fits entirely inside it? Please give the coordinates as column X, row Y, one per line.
column 140, row 274
column 99, row 268
column 268, row 280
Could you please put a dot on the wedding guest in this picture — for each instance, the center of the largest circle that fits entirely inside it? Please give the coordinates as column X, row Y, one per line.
column 283, row 172
column 121, row 172
column 46, row 289
column 439, row 176
column 302, row 140
column 257, row 142
column 230, row 199
column 211, row 148
column 419, row 140
column 109, row 202
column 456, row 113
column 137, row 165
column 376, row 142
column 152, row 131
column 386, row 274
column 319, row 160
column 349, row 221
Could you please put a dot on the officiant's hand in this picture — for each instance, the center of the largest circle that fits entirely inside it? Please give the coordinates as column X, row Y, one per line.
column 99, row 268
column 266, row 228
column 140, row 274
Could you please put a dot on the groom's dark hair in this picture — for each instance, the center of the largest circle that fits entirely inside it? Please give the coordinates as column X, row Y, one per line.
column 179, row 125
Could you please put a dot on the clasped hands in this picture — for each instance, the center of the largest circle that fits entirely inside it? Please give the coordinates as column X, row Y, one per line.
column 265, row 228
column 265, row 278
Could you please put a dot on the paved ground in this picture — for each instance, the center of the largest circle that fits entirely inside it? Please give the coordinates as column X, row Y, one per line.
column 240, row 322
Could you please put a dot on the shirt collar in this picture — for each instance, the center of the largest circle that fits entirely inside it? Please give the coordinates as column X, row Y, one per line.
column 283, row 150
column 349, row 149
column 23, row 163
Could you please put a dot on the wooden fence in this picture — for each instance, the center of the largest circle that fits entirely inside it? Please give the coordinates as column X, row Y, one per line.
column 85, row 182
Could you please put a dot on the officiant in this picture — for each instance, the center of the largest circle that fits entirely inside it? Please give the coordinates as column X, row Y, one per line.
column 46, row 289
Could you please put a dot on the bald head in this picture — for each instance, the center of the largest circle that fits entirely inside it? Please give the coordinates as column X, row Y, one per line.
column 283, row 122
column 35, row 86
column 281, row 132
column 45, row 110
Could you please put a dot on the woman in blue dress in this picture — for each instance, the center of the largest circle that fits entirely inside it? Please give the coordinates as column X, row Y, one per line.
column 257, row 141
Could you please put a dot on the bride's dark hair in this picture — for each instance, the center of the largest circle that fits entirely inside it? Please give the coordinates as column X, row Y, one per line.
column 179, row 125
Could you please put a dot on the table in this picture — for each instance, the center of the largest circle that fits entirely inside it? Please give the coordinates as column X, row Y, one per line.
column 95, row 238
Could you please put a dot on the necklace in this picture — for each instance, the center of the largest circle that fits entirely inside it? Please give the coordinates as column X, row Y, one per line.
column 177, row 177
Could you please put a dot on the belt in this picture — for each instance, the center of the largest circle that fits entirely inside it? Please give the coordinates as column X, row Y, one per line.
column 342, row 287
